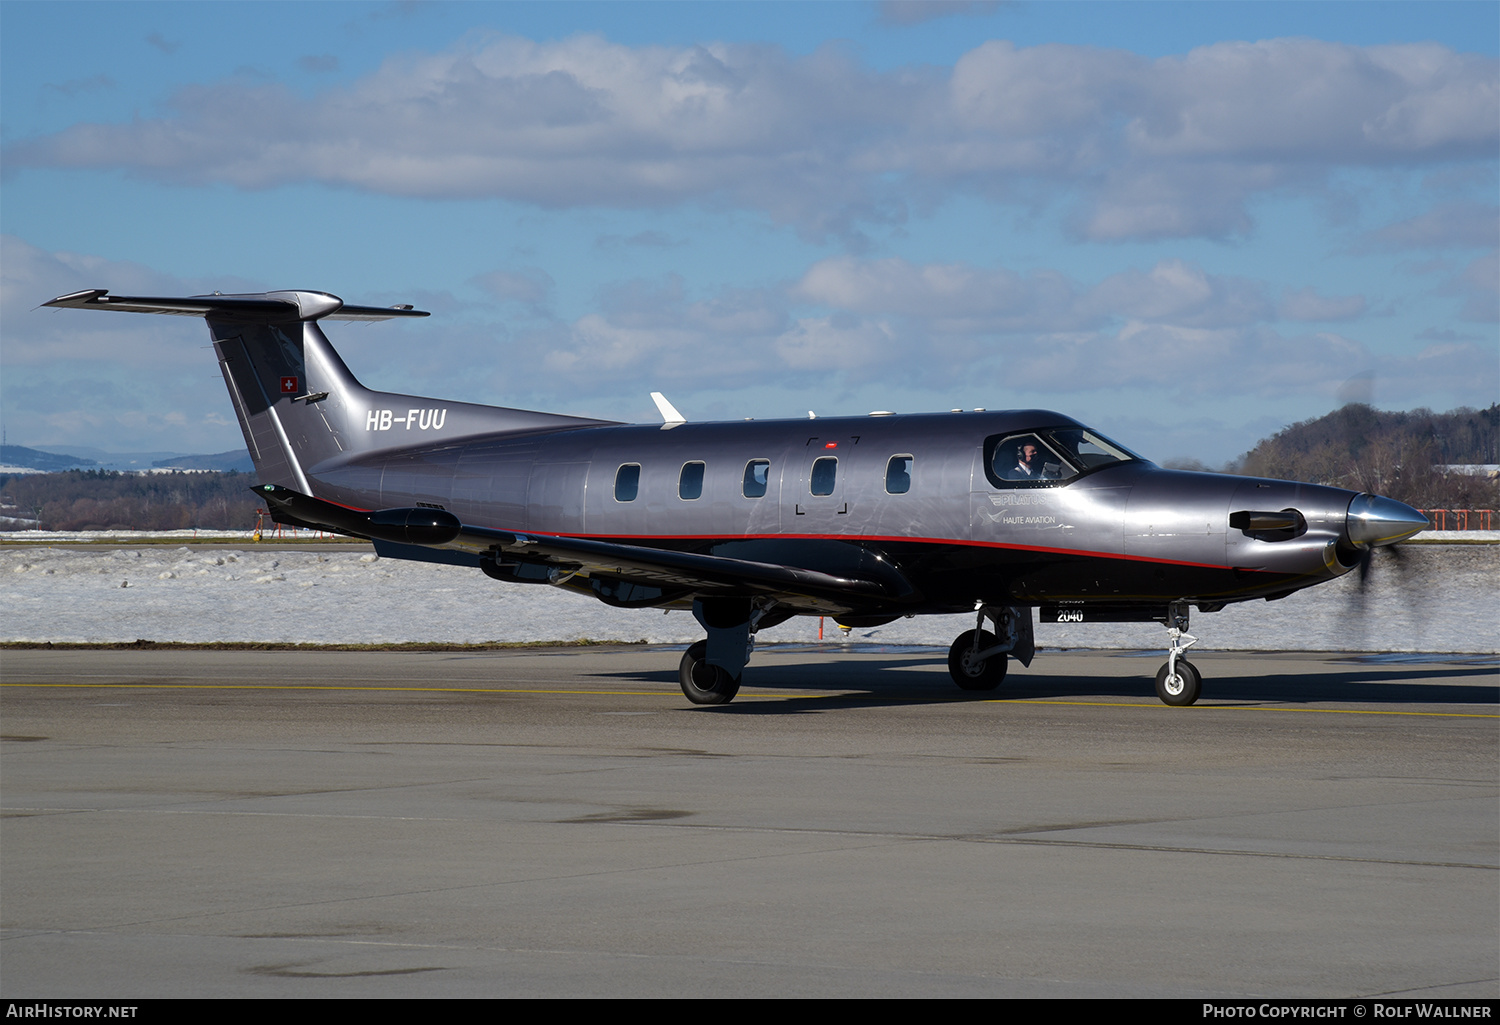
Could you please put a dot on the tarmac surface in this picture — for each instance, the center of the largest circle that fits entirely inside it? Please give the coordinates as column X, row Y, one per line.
column 561, row 822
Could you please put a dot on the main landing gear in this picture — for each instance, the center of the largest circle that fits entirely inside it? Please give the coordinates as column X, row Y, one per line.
column 711, row 669
column 705, row 684
column 978, row 660
column 1178, row 680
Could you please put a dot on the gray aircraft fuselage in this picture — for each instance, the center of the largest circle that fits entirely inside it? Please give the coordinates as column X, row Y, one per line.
column 1129, row 532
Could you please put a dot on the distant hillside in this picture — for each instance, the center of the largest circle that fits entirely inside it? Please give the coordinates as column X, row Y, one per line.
column 235, row 459
column 35, row 459
column 1394, row 454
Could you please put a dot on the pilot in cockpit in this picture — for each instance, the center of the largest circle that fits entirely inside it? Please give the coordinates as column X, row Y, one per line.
column 1028, row 463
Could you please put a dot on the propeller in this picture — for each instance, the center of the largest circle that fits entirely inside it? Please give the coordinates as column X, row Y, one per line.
column 1367, row 562
column 1378, row 524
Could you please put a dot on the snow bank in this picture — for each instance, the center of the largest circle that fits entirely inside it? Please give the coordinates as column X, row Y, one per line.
column 1436, row 598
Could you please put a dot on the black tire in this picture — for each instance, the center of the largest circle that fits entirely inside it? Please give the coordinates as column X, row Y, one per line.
column 970, row 675
column 703, row 684
column 1182, row 691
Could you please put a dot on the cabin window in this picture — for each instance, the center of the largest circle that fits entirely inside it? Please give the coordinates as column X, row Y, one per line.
column 898, row 475
column 825, row 473
column 690, row 482
column 757, row 477
column 627, row 482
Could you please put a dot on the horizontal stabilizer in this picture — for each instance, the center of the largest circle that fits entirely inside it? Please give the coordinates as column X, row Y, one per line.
column 267, row 307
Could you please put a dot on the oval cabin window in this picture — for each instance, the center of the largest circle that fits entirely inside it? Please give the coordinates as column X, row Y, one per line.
column 825, row 473
column 690, row 482
column 627, row 482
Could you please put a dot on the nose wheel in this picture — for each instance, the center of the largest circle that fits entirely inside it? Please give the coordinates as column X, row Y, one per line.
column 1179, row 685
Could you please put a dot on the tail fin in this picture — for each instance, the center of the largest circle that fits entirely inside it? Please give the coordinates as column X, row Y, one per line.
column 298, row 405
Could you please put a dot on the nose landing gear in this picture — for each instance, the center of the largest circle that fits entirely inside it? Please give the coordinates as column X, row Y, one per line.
column 1178, row 681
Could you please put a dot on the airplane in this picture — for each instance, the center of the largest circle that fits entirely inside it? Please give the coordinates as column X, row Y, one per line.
column 864, row 519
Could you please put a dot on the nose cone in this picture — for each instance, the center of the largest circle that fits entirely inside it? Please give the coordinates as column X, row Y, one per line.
column 1374, row 521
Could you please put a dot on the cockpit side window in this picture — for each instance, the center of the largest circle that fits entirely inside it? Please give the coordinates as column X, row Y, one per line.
column 1048, row 458
column 1087, row 449
column 1026, row 459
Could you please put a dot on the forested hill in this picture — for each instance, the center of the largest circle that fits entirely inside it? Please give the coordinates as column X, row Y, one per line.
column 1395, row 454
column 106, row 500
column 35, row 459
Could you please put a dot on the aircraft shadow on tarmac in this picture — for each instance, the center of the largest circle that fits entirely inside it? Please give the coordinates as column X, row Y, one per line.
column 890, row 681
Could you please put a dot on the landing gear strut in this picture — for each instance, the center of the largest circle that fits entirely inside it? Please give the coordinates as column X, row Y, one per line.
column 978, row 659
column 1178, row 680
column 710, row 671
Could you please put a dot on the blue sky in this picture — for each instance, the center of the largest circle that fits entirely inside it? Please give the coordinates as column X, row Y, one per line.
column 1188, row 224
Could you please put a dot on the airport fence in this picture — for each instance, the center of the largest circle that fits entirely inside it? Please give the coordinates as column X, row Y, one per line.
column 265, row 527
column 1462, row 519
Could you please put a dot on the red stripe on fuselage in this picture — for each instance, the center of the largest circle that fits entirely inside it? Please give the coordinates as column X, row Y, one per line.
column 1079, row 553
column 1075, row 552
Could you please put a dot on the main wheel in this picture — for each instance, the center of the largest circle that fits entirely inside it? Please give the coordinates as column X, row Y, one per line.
column 972, row 674
column 702, row 683
column 1181, row 689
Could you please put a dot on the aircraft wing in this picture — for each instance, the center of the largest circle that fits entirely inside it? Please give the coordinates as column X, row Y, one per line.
column 671, row 570
column 693, row 571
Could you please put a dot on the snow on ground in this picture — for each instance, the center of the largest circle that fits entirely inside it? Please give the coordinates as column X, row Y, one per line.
column 1435, row 598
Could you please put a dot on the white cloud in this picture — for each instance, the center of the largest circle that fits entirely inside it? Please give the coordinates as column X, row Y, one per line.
column 530, row 286
column 1307, row 304
column 1180, row 293
column 1144, row 148
column 1451, row 225
column 958, row 298
column 1171, row 334
column 1480, row 283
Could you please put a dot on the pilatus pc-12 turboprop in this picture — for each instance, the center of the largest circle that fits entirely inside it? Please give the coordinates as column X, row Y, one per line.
column 748, row 523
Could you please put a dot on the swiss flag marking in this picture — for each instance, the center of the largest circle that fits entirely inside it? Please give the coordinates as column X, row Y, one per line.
column 289, row 386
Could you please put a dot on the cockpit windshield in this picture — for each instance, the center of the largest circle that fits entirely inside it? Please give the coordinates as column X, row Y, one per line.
column 1049, row 457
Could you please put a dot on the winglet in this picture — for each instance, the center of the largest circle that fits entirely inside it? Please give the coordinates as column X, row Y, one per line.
column 669, row 415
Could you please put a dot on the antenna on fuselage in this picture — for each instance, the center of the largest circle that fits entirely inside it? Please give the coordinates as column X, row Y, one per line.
column 670, row 417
